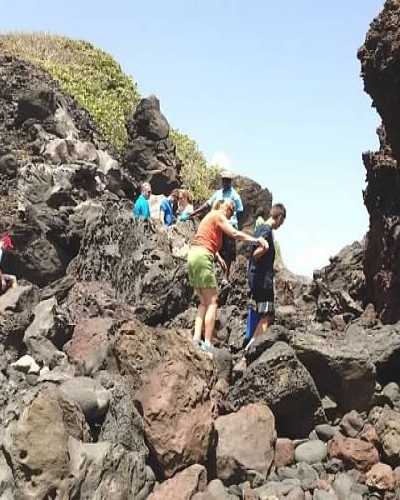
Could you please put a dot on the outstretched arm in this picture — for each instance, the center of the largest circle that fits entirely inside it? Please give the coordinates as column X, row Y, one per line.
column 205, row 206
column 235, row 234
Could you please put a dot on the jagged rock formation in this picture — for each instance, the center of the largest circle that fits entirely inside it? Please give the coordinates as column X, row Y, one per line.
column 103, row 394
column 150, row 153
column 380, row 69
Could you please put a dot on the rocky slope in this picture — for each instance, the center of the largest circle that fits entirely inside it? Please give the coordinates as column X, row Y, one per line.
column 103, row 395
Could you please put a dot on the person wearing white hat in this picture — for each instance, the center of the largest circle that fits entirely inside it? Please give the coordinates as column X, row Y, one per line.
column 227, row 192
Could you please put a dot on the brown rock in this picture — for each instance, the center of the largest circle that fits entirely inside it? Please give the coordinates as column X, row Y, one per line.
column 89, row 345
column 183, row 485
column 284, row 452
column 174, row 381
column 381, row 477
column 246, row 442
column 354, row 452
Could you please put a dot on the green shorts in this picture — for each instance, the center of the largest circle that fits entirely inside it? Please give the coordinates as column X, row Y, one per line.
column 201, row 268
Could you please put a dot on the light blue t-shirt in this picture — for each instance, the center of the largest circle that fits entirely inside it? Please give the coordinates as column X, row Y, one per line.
column 141, row 208
column 228, row 194
column 168, row 210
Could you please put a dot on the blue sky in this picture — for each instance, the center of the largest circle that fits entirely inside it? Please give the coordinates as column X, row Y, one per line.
column 271, row 88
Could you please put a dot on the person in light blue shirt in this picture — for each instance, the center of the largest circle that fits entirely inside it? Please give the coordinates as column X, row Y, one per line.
column 227, row 192
column 168, row 208
column 141, row 208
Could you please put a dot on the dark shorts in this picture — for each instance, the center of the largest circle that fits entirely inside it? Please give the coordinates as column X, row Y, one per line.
column 228, row 250
column 263, row 300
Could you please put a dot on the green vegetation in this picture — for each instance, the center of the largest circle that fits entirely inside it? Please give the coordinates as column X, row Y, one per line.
column 90, row 75
column 99, row 85
column 197, row 175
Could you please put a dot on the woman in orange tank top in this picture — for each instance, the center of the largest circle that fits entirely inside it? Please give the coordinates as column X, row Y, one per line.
column 204, row 249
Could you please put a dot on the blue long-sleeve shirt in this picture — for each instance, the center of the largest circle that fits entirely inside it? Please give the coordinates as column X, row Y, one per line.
column 141, row 208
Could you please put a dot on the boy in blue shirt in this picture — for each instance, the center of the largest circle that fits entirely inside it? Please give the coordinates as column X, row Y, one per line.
column 168, row 208
column 261, row 271
column 141, row 208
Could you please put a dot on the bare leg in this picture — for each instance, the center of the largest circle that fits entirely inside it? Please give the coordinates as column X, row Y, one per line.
column 263, row 325
column 211, row 296
column 199, row 321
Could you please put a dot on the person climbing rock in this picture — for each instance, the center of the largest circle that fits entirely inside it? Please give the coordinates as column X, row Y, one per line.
column 227, row 192
column 141, row 208
column 205, row 247
column 168, row 208
column 185, row 207
column 6, row 280
column 261, row 271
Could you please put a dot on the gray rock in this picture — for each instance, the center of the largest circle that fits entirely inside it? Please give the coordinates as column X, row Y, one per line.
column 306, row 474
column 90, row 396
column 383, row 345
column 324, row 495
column 123, row 424
column 392, row 391
column 326, row 431
column 7, row 486
column 342, row 485
column 312, row 452
column 339, row 367
column 47, row 333
column 223, row 362
column 103, row 470
column 352, row 424
column 217, row 491
column 278, row 378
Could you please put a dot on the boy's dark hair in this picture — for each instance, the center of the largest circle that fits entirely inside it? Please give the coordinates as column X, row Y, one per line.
column 278, row 209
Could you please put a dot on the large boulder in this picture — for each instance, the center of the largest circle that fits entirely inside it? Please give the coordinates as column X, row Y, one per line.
column 138, row 262
column 280, row 380
column 246, row 442
column 150, row 153
column 339, row 368
column 37, row 444
column 380, row 70
column 174, row 382
column 382, row 342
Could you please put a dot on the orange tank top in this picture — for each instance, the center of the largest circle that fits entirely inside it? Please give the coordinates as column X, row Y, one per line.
column 209, row 234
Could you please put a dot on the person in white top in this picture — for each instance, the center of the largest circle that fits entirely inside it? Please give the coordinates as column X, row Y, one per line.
column 185, row 207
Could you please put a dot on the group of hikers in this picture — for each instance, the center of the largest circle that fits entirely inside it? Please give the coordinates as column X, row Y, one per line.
column 215, row 240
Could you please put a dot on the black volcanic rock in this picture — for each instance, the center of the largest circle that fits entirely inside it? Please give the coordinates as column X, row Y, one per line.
column 380, row 63
column 150, row 153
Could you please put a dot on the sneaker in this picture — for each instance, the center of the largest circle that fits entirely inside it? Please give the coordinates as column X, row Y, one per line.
column 205, row 347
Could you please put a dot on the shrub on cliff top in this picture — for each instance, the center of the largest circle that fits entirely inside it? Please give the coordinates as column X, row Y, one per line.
column 99, row 85
column 88, row 74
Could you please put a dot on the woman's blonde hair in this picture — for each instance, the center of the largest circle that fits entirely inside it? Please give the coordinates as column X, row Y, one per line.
column 223, row 203
column 186, row 194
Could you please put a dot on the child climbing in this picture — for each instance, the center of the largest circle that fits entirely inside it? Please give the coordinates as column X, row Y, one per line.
column 7, row 280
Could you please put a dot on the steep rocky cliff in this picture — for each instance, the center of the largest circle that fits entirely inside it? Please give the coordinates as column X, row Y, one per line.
column 380, row 62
